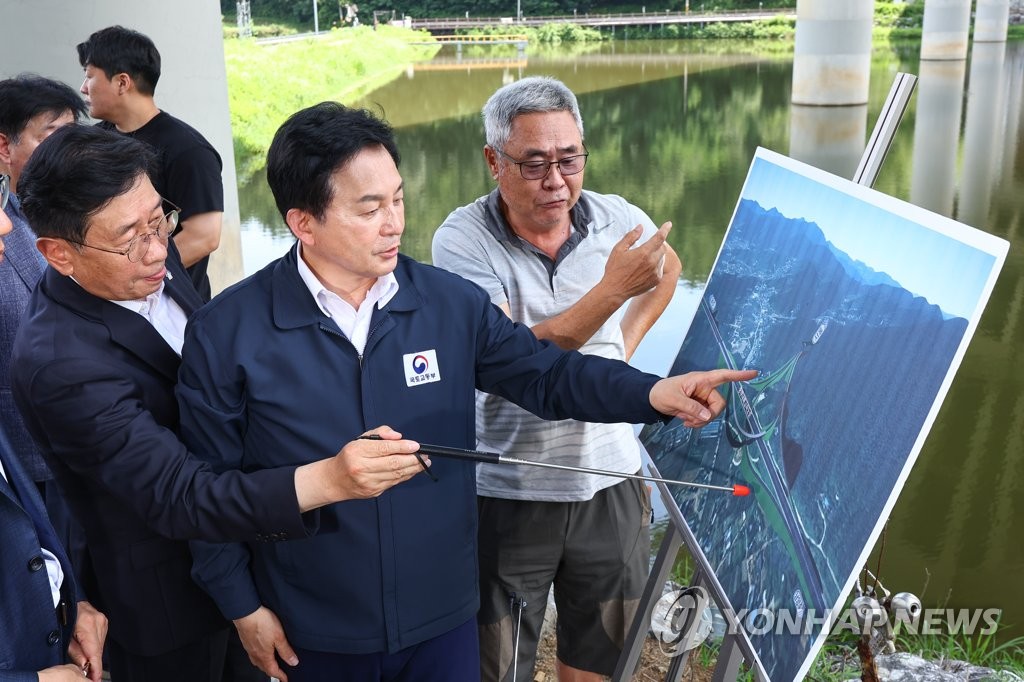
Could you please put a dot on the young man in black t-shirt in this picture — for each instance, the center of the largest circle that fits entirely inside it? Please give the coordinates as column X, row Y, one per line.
column 122, row 68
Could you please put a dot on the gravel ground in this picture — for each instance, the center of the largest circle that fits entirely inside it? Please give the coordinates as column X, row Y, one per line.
column 653, row 663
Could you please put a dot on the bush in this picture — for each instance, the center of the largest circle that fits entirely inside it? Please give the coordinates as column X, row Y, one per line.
column 778, row 28
column 260, row 30
column 890, row 14
column 549, row 34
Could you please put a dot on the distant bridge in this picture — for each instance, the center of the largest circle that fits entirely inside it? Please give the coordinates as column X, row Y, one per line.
column 441, row 27
column 599, row 20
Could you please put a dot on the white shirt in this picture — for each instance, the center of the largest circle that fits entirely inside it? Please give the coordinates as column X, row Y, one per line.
column 354, row 324
column 53, row 570
column 164, row 313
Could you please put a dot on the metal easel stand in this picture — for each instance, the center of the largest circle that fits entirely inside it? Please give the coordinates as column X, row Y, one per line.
column 735, row 648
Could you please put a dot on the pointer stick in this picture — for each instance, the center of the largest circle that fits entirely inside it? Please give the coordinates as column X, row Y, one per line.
column 494, row 458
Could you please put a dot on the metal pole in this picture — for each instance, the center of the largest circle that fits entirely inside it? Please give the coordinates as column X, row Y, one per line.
column 316, row 19
column 519, row 10
column 885, row 129
column 494, row 458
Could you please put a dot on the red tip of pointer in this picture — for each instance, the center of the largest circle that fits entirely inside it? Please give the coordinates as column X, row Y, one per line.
column 740, row 490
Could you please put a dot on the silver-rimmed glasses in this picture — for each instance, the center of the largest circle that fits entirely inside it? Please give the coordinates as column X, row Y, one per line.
column 138, row 247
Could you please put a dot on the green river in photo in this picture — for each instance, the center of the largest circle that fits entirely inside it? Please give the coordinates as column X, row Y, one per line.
column 672, row 126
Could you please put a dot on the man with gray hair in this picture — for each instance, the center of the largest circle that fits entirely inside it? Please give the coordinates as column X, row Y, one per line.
column 590, row 272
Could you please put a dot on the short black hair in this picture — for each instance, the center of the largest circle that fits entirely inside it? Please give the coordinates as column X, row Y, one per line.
column 312, row 145
column 27, row 95
column 74, row 173
column 117, row 49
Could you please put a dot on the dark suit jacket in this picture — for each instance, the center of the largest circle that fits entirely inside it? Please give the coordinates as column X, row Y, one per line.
column 20, row 269
column 95, row 383
column 31, row 638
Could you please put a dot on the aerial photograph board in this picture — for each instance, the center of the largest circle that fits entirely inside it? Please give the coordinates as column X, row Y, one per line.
column 856, row 308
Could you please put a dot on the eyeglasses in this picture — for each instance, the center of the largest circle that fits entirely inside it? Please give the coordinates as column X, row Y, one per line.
column 537, row 170
column 138, row 247
column 5, row 191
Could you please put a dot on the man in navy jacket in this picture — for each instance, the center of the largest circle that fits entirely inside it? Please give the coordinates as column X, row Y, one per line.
column 343, row 335
column 42, row 620
column 94, row 368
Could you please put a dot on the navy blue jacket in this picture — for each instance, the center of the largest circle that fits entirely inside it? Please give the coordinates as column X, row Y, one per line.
column 268, row 380
column 31, row 638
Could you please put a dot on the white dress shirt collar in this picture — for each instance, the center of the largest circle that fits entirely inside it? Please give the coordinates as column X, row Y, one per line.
column 354, row 324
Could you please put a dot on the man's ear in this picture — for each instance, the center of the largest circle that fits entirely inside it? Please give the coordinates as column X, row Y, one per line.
column 5, row 151
column 301, row 224
column 58, row 253
column 124, row 82
column 491, row 157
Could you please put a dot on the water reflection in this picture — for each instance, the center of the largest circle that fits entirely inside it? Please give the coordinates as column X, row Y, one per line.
column 673, row 126
column 982, row 132
column 829, row 138
column 940, row 92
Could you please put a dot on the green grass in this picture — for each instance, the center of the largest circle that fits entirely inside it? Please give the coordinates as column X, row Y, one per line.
column 838, row 660
column 981, row 649
column 268, row 83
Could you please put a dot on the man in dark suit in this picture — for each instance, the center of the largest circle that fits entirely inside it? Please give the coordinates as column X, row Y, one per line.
column 42, row 623
column 94, row 369
column 31, row 109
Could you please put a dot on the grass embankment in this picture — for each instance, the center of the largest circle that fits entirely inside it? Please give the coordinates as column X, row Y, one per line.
column 268, row 83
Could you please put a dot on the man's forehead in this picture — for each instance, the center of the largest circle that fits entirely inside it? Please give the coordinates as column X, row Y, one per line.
column 52, row 118
column 540, row 132
column 353, row 177
column 125, row 211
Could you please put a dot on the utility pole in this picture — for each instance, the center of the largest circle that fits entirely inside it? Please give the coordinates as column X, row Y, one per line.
column 244, row 16
column 316, row 19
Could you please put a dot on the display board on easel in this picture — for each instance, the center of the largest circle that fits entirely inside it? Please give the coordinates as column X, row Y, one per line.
column 857, row 309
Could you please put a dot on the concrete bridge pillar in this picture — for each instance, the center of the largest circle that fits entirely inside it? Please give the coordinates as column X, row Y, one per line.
column 940, row 93
column 832, row 54
column 40, row 37
column 991, row 19
column 944, row 32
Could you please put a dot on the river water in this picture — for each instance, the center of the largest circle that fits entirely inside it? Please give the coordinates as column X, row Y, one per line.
column 672, row 126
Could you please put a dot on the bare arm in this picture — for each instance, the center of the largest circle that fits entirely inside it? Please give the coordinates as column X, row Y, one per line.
column 628, row 273
column 199, row 237
column 645, row 309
